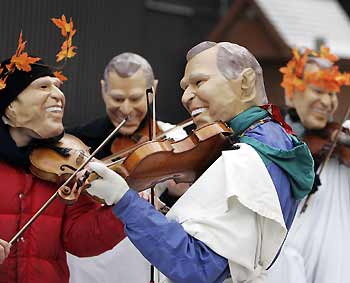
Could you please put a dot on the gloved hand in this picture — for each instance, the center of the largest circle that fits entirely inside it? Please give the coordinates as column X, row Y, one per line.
column 110, row 186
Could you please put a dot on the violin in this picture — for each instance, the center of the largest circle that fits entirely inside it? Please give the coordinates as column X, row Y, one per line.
column 320, row 143
column 184, row 161
column 63, row 191
column 150, row 163
column 332, row 141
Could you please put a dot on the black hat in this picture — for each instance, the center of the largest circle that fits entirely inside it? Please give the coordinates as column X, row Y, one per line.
column 19, row 80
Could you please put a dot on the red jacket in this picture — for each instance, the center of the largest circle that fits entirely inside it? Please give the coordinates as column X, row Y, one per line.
column 83, row 229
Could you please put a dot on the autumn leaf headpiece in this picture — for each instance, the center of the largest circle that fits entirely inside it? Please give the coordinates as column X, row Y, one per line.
column 23, row 62
column 296, row 78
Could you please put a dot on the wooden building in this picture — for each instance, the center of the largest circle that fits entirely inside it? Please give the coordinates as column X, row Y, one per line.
column 270, row 28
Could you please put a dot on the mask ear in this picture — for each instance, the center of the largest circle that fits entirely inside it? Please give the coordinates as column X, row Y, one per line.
column 103, row 90
column 248, row 85
column 103, row 87
column 10, row 115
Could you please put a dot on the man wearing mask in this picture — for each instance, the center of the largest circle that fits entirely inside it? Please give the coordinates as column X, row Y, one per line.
column 125, row 81
column 316, row 249
column 228, row 225
column 31, row 110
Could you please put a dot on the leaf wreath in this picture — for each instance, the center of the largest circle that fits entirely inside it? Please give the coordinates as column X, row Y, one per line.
column 295, row 77
column 22, row 61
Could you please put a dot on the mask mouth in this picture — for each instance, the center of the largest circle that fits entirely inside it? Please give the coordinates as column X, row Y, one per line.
column 119, row 116
column 198, row 111
column 321, row 111
column 130, row 122
column 55, row 109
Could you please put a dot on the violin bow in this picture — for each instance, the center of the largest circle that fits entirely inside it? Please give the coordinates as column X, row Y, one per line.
column 62, row 187
column 328, row 156
column 154, row 136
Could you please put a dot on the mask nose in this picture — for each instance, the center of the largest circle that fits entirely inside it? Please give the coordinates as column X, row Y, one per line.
column 326, row 100
column 187, row 98
column 58, row 95
column 125, row 108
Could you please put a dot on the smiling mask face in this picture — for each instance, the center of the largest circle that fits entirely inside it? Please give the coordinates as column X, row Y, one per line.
column 208, row 96
column 38, row 108
column 126, row 98
column 315, row 106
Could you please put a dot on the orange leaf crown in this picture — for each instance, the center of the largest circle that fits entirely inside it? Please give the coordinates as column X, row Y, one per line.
column 21, row 61
column 296, row 79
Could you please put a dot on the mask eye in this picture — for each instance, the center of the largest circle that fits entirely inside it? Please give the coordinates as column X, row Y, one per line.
column 199, row 83
column 117, row 97
column 119, row 100
column 135, row 99
column 318, row 91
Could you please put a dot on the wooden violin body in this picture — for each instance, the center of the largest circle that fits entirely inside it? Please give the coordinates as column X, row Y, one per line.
column 150, row 163
column 56, row 164
column 184, row 160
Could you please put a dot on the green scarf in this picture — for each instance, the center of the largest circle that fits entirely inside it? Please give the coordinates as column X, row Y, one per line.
column 296, row 162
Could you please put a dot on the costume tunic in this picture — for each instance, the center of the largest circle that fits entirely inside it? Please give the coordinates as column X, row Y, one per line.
column 40, row 254
column 234, row 218
column 124, row 263
column 317, row 247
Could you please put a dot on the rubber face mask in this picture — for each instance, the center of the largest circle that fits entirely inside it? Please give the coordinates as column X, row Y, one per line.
column 208, row 96
column 126, row 98
column 39, row 108
column 315, row 106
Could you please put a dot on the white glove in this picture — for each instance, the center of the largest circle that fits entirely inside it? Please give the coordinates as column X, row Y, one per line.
column 110, row 186
column 346, row 124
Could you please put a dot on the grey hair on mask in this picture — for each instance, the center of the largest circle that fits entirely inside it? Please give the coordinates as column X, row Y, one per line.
column 126, row 65
column 231, row 60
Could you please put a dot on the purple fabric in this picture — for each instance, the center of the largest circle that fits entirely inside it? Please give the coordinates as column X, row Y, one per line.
column 273, row 135
column 178, row 255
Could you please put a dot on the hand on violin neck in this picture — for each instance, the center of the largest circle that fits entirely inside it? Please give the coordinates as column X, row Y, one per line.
column 110, row 187
column 4, row 250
